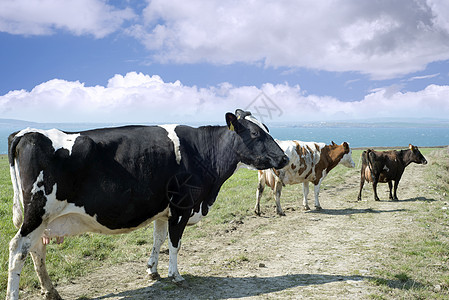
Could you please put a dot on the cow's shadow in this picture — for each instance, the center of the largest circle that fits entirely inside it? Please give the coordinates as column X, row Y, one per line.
column 352, row 211
column 213, row 287
column 416, row 199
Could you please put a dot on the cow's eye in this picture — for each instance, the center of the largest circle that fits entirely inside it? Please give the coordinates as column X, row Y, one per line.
column 255, row 133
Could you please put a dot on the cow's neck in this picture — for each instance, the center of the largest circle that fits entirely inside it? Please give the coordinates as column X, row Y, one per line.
column 217, row 150
column 334, row 156
column 406, row 157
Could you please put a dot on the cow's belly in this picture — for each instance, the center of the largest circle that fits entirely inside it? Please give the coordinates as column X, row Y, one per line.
column 293, row 177
column 384, row 178
column 74, row 220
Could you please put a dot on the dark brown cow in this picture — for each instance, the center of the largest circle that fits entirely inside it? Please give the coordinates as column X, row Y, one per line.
column 387, row 166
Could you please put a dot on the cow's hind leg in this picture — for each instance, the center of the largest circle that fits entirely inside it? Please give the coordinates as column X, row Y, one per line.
column 305, row 191
column 362, row 182
column 19, row 247
column 259, row 192
column 18, row 252
column 38, row 254
column 390, row 187
column 159, row 236
column 376, row 198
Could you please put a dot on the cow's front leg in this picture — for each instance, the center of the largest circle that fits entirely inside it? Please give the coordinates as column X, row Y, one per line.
column 317, row 193
column 176, row 226
column 395, row 196
column 277, row 195
column 159, row 236
column 305, row 191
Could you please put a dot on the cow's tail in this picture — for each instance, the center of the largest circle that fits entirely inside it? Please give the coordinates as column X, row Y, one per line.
column 370, row 157
column 17, row 214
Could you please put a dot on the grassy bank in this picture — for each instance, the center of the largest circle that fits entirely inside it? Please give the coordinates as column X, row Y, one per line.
column 417, row 261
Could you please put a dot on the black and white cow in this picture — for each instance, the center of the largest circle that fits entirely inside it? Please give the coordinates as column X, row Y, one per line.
column 115, row 180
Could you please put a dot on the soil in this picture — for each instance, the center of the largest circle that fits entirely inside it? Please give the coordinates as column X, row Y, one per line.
column 328, row 254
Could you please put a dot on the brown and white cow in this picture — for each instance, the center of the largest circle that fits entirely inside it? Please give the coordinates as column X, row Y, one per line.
column 309, row 162
column 387, row 166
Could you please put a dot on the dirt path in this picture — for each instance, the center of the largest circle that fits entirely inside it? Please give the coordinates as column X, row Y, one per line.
column 328, row 254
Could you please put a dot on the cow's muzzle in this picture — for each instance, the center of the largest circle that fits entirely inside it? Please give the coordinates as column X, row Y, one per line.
column 283, row 162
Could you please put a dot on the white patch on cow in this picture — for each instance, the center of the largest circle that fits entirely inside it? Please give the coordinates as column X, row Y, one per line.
column 257, row 122
column 306, row 161
column 17, row 218
column 173, row 261
column 58, row 138
column 347, row 161
column 386, row 168
column 197, row 216
column 170, row 128
column 36, row 187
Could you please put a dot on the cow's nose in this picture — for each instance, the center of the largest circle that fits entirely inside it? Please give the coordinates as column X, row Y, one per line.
column 284, row 161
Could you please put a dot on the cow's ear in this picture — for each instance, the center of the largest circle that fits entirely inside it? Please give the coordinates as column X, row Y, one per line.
column 231, row 121
column 333, row 144
column 268, row 130
column 410, row 146
column 346, row 147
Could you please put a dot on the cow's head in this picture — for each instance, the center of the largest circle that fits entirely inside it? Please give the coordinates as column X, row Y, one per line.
column 255, row 146
column 346, row 160
column 416, row 155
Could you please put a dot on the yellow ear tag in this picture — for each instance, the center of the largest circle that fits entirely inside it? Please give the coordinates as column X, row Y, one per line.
column 231, row 127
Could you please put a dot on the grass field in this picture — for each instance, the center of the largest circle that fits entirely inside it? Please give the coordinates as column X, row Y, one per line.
column 422, row 257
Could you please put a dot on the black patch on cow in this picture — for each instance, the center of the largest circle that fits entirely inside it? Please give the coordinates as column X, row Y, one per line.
column 184, row 190
column 33, row 213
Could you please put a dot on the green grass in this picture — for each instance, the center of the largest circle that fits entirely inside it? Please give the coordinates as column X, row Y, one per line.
column 419, row 262
column 418, row 267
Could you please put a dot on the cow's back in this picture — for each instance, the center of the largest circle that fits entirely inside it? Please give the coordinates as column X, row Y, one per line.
column 117, row 176
column 304, row 156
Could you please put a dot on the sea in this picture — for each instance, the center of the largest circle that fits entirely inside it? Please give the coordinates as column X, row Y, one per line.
column 358, row 135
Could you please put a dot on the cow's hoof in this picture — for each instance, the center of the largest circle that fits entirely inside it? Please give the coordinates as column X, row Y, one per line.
column 306, row 208
column 52, row 295
column 257, row 213
column 155, row 276
column 318, row 208
column 182, row 283
column 281, row 214
column 376, row 199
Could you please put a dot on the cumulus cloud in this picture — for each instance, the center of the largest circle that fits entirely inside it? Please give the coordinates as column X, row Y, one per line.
column 140, row 98
column 384, row 39
column 32, row 17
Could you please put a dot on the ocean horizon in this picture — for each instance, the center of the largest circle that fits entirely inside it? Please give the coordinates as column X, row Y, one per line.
column 358, row 135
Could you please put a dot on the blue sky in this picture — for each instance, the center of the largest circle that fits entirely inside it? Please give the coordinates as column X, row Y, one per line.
column 184, row 61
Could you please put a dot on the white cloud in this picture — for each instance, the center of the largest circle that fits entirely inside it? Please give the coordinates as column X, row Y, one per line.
column 140, row 98
column 384, row 39
column 423, row 77
column 33, row 17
